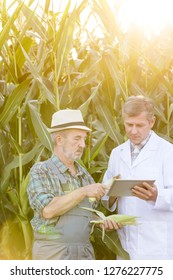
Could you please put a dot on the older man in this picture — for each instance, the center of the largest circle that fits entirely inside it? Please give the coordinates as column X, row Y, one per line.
column 57, row 190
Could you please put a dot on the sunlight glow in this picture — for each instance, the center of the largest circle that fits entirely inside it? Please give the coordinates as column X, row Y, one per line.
column 147, row 14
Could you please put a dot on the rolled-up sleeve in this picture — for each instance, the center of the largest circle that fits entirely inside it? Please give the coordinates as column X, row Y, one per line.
column 39, row 189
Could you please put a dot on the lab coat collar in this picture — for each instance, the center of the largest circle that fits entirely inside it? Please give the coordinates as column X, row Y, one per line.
column 146, row 152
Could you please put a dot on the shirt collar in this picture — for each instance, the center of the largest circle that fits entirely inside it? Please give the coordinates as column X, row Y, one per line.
column 142, row 144
column 62, row 167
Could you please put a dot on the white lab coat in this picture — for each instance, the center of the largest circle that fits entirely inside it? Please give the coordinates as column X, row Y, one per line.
column 152, row 238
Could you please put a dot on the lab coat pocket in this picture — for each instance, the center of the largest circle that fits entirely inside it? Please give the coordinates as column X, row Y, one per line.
column 152, row 238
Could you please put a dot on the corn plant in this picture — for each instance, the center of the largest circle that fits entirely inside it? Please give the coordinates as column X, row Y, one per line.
column 50, row 61
column 123, row 220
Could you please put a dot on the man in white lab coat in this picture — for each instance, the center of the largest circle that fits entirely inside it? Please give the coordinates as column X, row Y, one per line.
column 144, row 156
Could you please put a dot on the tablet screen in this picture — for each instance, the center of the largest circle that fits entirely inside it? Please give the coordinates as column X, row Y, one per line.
column 122, row 187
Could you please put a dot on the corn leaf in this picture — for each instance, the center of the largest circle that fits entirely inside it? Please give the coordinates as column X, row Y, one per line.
column 13, row 102
column 111, row 243
column 40, row 128
column 6, row 29
column 26, row 158
column 99, row 213
column 108, row 122
column 84, row 107
column 34, row 21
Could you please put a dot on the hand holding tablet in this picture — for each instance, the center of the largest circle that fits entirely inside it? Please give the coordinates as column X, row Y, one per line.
column 122, row 187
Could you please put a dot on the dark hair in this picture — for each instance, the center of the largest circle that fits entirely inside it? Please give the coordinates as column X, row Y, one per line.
column 138, row 104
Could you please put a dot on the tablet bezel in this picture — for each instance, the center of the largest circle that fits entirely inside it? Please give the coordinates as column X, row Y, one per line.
column 122, row 187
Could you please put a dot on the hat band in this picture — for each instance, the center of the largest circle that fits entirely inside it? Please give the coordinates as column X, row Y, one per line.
column 69, row 124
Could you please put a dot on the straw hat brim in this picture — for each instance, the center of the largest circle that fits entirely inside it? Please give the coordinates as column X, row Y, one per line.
column 51, row 130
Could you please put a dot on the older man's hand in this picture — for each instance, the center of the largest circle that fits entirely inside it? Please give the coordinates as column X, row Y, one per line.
column 96, row 190
column 110, row 225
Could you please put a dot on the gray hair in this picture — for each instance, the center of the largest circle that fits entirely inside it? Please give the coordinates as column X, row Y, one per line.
column 56, row 133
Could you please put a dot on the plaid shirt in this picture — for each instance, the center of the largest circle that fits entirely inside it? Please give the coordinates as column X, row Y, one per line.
column 45, row 184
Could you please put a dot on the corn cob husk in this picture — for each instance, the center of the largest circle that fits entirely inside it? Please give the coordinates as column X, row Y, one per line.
column 118, row 218
column 107, row 185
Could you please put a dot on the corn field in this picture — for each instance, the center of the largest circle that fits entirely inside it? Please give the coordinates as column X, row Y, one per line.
column 50, row 61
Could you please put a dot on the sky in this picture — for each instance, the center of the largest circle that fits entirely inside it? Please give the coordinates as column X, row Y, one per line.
column 147, row 14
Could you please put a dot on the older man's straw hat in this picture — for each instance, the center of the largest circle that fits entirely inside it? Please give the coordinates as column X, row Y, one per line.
column 66, row 119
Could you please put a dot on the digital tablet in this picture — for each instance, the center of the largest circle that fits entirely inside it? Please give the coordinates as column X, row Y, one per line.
column 122, row 187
